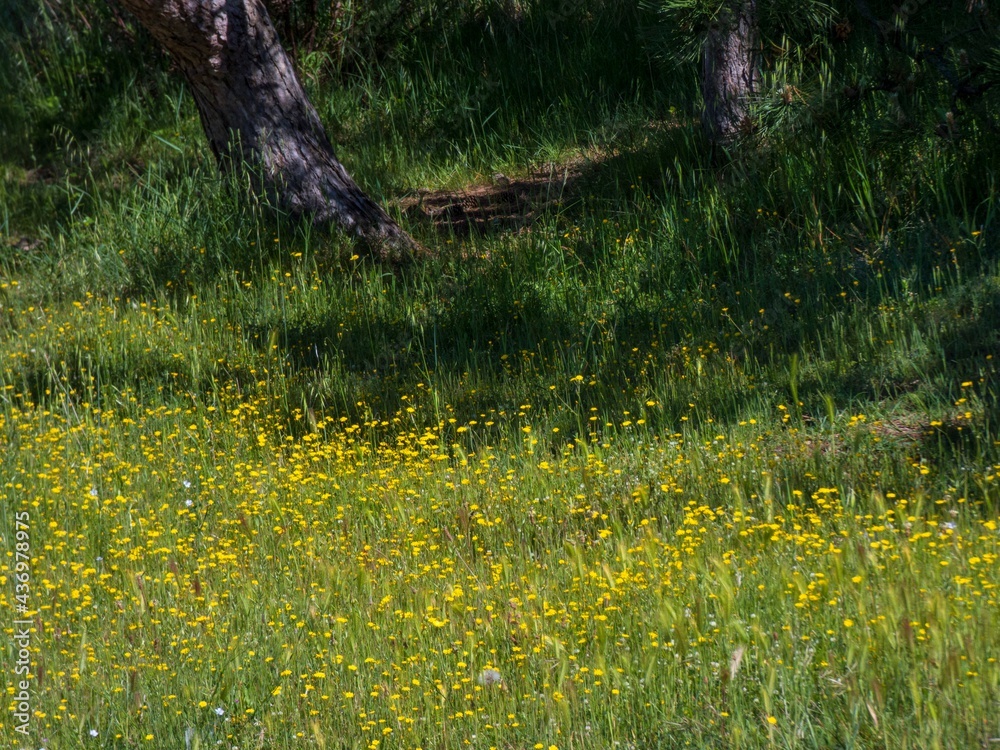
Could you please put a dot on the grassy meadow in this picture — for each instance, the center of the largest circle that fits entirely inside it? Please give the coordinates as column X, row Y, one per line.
column 699, row 451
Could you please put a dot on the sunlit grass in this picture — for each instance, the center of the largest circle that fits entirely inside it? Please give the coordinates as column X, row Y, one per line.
column 198, row 567
column 221, row 563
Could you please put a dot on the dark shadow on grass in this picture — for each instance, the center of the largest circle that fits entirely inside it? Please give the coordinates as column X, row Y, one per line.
column 486, row 311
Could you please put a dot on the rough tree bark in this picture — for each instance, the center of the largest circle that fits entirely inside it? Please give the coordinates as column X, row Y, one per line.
column 729, row 71
column 255, row 112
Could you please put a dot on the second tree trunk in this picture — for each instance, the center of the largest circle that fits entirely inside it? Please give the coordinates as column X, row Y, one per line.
column 729, row 73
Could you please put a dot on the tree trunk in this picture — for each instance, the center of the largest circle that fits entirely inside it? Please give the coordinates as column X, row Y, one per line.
column 729, row 72
column 255, row 112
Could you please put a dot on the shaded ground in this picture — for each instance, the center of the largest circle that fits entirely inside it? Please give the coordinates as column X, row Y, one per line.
column 503, row 203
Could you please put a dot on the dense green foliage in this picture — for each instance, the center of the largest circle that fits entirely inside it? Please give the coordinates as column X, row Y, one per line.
column 800, row 332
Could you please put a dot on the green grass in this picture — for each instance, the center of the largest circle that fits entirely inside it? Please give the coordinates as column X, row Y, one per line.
column 706, row 456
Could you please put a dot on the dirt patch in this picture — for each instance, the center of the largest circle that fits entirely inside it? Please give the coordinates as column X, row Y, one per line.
column 44, row 175
column 909, row 428
column 503, row 203
column 25, row 244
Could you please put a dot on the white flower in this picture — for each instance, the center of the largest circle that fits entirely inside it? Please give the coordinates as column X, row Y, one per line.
column 490, row 677
column 93, row 732
column 220, row 711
